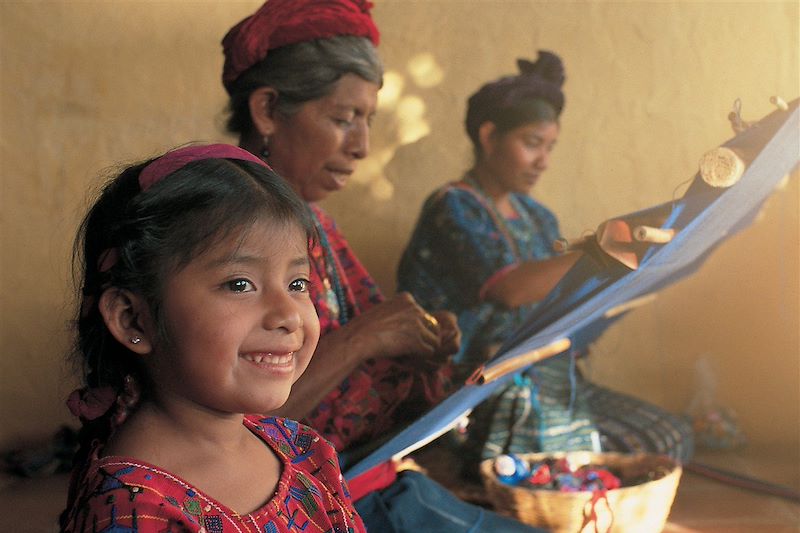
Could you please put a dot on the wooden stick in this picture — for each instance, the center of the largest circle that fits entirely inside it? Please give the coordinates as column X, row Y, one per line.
column 630, row 304
column 487, row 375
column 654, row 235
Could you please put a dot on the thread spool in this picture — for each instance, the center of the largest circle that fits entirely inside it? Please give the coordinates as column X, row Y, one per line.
column 779, row 102
column 562, row 246
column 721, row 167
column 654, row 235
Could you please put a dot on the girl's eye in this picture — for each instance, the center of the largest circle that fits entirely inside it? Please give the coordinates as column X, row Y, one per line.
column 299, row 285
column 239, row 285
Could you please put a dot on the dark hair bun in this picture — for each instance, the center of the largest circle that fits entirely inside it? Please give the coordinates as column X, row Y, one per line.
column 548, row 67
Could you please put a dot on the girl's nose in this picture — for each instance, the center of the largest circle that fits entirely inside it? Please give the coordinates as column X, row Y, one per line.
column 281, row 312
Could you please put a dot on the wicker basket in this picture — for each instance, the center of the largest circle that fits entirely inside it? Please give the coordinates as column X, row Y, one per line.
column 637, row 508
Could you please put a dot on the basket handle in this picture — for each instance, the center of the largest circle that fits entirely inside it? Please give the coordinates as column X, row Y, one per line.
column 590, row 512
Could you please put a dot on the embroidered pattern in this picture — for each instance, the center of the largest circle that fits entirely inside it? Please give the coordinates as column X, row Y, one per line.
column 368, row 402
column 461, row 241
column 122, row 495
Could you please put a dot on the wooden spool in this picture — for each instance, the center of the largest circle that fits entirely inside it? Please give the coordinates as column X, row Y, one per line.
column 562, row 245
column 721, row 167
column 779, row 102
column 654, row 235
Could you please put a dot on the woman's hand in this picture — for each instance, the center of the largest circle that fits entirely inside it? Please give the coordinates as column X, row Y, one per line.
column 400, row 327
column 449, row 335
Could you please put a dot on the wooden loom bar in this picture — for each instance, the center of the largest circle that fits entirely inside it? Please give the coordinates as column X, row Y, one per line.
column 487, row 375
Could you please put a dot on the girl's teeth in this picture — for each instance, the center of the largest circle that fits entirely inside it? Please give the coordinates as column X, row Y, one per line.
column 269, row 358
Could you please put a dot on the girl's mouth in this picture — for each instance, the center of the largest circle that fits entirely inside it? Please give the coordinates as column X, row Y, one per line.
column 269, row 358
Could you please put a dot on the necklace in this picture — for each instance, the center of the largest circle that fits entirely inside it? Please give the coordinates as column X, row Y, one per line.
column 335, row 296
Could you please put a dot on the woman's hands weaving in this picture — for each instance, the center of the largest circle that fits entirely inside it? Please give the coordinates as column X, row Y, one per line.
column 401, row 327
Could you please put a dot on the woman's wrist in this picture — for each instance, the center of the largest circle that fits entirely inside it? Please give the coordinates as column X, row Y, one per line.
column 355, row 345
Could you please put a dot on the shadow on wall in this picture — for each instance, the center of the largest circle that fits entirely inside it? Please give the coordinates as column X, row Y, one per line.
column 402, row 120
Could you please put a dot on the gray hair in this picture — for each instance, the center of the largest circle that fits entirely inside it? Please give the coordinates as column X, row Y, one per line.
column 300, row 73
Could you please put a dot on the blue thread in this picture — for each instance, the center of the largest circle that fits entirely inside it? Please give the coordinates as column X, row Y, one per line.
column 537, row 407
column 573, row 386
column 478, row 522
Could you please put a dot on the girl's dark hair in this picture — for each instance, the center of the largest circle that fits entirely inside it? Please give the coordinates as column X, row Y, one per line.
column 513, row 116
column 300, row 73
column 158, row 231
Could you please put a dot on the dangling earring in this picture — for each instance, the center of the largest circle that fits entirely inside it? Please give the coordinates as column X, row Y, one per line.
column 265, row 149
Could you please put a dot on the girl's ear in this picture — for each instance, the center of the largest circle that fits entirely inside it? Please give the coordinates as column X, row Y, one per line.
column 262, row 110
column 486, row 137
column 127, row 317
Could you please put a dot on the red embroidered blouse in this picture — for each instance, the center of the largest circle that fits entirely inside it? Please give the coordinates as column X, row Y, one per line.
column 372, row 399
column 123, row 494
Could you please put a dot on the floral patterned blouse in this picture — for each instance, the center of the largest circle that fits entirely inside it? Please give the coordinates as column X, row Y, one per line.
column 122, row 494
column 381, row 393
column 459, row 246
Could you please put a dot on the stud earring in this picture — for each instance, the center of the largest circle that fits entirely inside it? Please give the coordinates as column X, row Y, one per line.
column 265, row 148
column 135, row 340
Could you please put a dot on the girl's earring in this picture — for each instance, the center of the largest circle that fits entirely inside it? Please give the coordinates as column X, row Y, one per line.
column 135, row 340
column 265, row 149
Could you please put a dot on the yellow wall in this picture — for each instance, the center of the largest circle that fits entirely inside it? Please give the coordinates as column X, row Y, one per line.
column 87, row 84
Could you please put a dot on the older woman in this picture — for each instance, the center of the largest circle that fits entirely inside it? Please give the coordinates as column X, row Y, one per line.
column 482, row 248
column 303, row 78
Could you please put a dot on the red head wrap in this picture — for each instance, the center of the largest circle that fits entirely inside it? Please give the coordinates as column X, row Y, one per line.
column 282, row 22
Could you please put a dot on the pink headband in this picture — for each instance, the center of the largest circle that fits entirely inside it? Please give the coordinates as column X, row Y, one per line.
column 170, row 162
column 174, row 160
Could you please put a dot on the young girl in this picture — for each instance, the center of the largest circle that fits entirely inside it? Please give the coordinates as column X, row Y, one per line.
column 195, row 312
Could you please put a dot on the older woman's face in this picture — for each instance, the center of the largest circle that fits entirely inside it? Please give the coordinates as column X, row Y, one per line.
column 318, row 148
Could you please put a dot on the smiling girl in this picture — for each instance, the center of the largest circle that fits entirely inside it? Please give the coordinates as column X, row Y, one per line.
column 195, row 312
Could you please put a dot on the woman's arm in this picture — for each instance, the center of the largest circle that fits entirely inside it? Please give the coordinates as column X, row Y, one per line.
column 530, row 281
column 396, row 327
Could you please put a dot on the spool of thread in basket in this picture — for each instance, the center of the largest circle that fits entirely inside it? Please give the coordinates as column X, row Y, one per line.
column 554, row 474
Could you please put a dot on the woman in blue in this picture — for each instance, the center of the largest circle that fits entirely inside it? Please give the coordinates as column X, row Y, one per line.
column 482, row 248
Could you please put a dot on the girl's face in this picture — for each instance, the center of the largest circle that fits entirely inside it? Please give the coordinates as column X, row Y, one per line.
column 318, row 148
column 241, row 324
column 517, row 158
